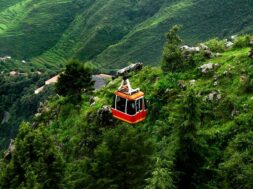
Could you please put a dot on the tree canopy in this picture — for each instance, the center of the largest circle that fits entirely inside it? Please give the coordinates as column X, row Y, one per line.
column 75, row 80
column 172, row 59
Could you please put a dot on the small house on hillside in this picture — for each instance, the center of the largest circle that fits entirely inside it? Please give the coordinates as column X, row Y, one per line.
column 13, row 73
column 37, row 91
column 52, row 80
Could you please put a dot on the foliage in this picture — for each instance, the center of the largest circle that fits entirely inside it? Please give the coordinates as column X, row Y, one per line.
column 242, row 41
column 172, row 56
column 198, row 133
column 238, row 166
column 161, row 176
column 194, row 59
column 188, row 155
column 18, row 101
column 35, row 161
column 216, row 45
column 49, row 33
column 125, row 149
column 76, row 79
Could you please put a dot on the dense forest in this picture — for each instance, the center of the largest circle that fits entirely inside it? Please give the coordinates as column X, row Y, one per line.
column 198, row 132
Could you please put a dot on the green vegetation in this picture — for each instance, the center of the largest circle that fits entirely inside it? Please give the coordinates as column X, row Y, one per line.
column 198, row 134
column 110, row 34
column 75, row 80
column 216, row 45
column 35, row 163
column 172, row 56
column 242, row 41
column 18, row 102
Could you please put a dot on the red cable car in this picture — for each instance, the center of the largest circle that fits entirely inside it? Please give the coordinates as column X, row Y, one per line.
column 129, row 104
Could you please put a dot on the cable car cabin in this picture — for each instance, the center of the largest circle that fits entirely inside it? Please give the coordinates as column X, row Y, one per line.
column 129, row 104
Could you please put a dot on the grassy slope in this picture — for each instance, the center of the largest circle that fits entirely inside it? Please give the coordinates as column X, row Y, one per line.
column 201, row 20
column 29, row 28
column 111, row 33
column 100, row 26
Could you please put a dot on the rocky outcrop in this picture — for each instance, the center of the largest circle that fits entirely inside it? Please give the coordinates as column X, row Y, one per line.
column 207, row 68
column 9, row 151
column 192, row 82
column 104, row 115
column 234, row 113
column 182, row 84
column 6, row 117
column 229, row 44
column 5, row 58
column 215, row 55
column 202, row 48
column 187, row 49
column 43, row 107
column 213, row 96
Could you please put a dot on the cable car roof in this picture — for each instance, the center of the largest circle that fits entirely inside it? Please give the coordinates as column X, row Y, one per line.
column 134, row 96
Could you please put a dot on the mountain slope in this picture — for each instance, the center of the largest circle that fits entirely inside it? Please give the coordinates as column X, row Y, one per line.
column 90, row 149
column 29, row 28
column 201, row 20
column 112, row 33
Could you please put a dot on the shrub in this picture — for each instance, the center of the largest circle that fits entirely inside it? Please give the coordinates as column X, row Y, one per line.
column 76, row 79
column 247, row 85
column 216, row 45
column 195, row 58
column 242, row 41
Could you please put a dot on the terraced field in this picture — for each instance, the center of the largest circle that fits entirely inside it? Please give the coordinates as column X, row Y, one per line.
column 112, row 33
column 30, row 28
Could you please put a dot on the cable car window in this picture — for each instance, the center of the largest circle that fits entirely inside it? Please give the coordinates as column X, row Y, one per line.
column 145, row 104
column 139, row 104
column 121, row 104
column 131, row 107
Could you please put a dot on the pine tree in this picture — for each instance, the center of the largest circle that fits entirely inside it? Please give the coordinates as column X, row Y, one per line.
column 77, row 78
column 121, row 160
column 35, row 162
column 161, row 175
column 188, row 155
column 236, row 170
column 172, row 59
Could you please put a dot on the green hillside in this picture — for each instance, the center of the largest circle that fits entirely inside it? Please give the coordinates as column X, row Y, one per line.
column 29, row 28
column 18, row 101
column 110, row 34
column 198, row 133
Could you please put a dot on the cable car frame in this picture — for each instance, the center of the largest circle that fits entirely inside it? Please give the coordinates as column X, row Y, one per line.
column 129, row 104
